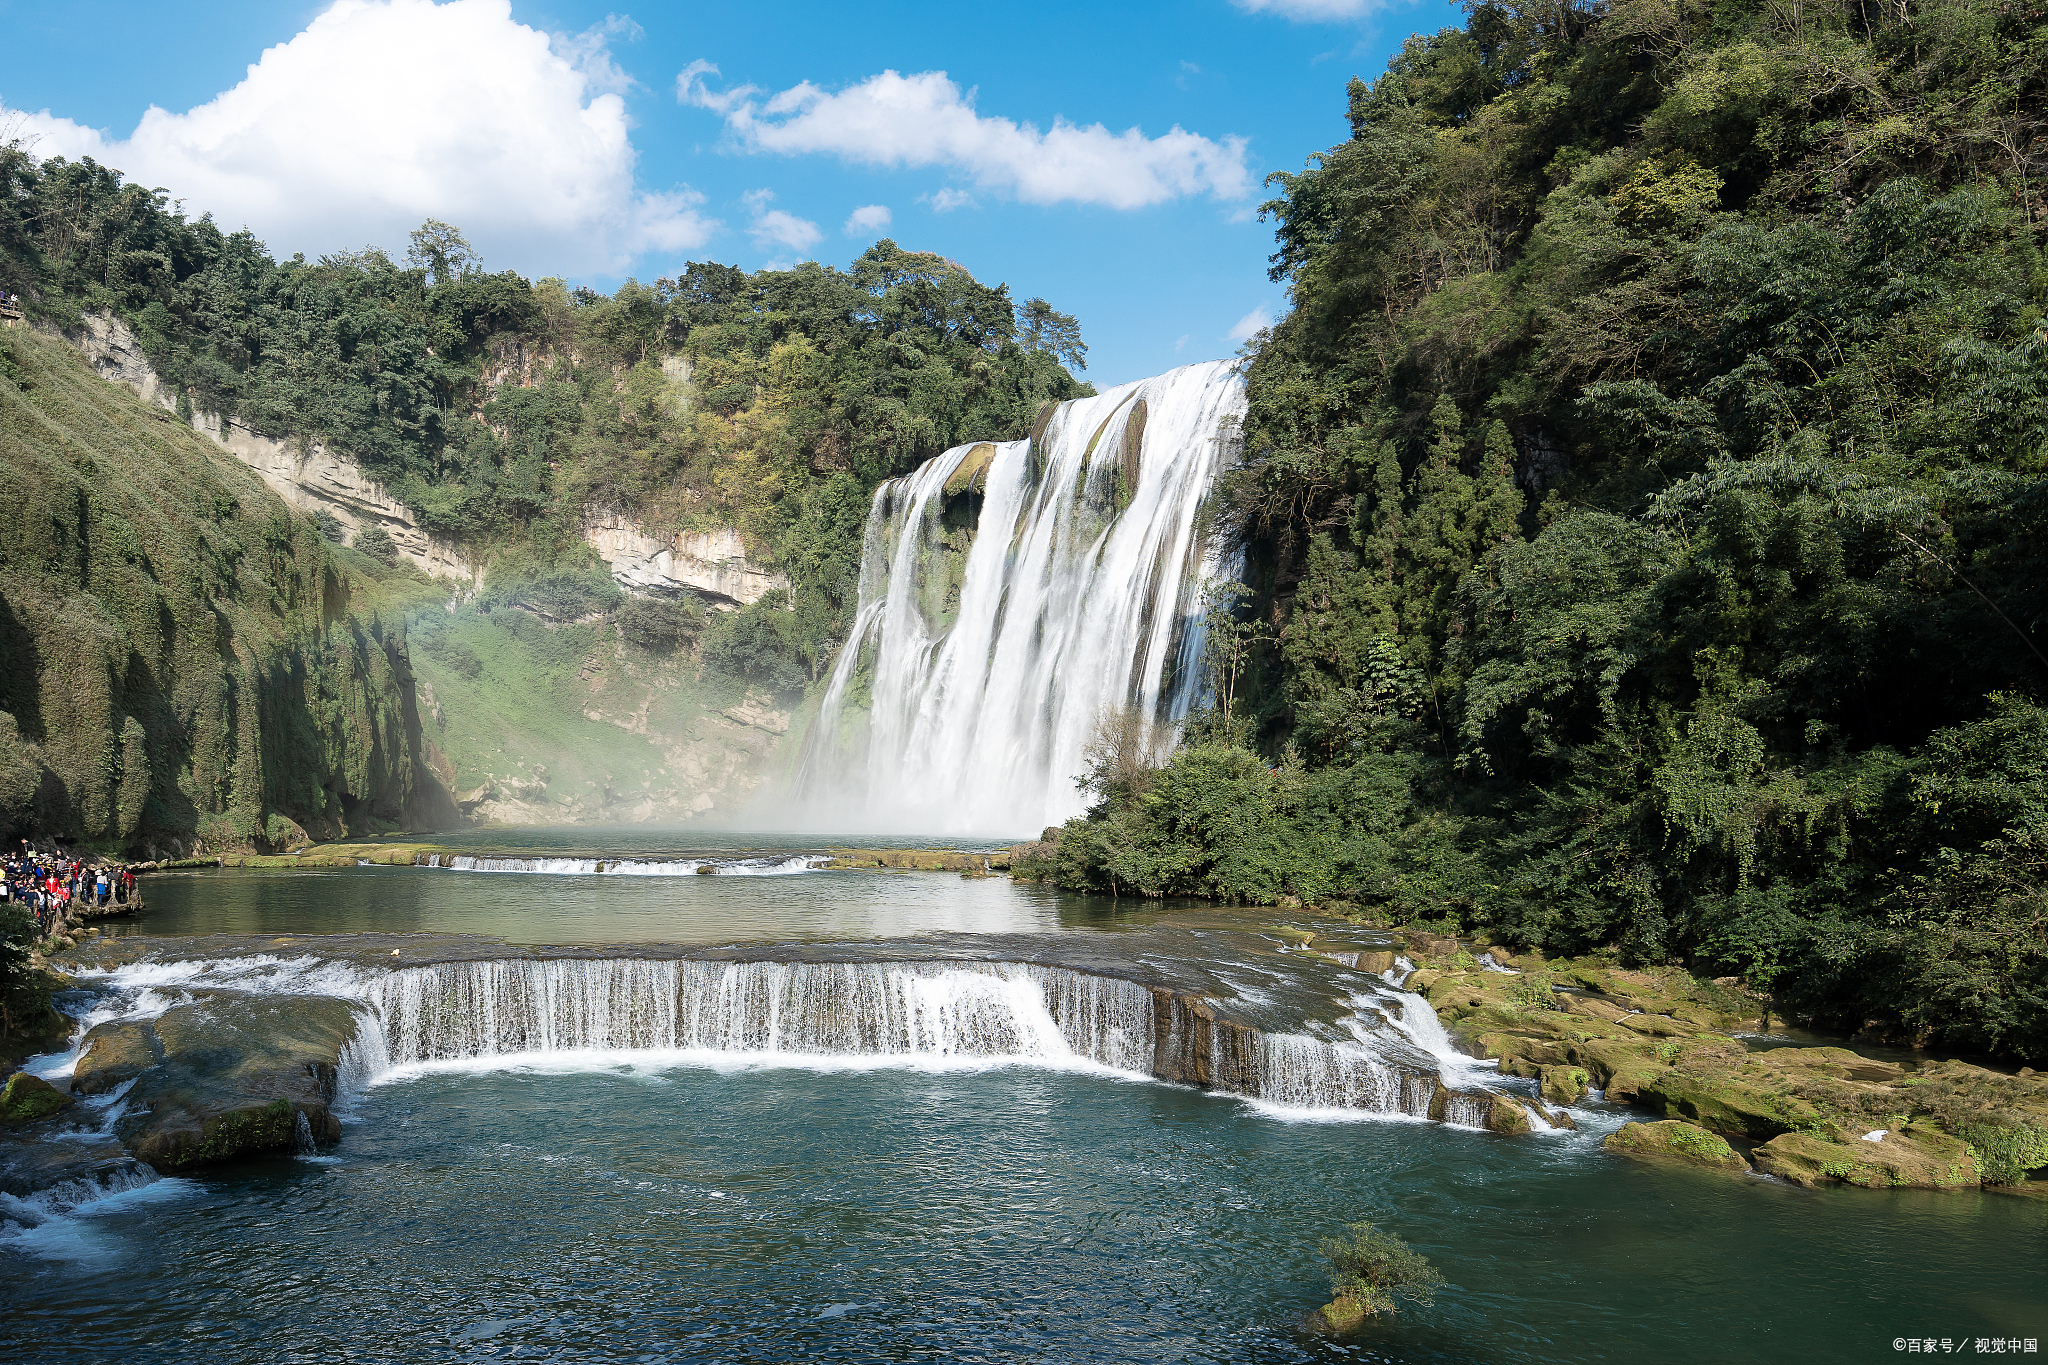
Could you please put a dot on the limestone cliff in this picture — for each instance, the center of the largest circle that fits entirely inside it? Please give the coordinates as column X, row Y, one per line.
column 313, row 476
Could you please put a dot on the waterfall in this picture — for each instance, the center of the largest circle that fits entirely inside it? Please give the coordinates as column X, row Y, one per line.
column 1009, row 594
column 779, row 865
column 902, row 1011
column 465, row 1010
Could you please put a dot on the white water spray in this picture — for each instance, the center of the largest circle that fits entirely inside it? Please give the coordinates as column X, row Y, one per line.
column 972, row 682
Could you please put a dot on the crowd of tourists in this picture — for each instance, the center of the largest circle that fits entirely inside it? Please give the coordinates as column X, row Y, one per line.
column 48, row 885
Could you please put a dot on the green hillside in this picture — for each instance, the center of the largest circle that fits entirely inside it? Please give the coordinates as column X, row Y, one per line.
column 1645, row 527
column 184, row 657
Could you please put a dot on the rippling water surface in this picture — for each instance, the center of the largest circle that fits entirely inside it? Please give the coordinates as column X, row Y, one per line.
column 628, row 1212
column 642, row 1208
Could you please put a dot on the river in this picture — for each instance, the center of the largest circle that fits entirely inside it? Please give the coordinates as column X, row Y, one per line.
column 612, row 1205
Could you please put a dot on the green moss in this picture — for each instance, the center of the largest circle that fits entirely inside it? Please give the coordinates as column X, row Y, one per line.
column 27, row 1098
column 187, row 657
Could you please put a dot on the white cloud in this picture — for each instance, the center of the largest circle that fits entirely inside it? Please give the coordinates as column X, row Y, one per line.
column 590, row 52
column 945, row 201
column 1181, row 342
column 926, row 120
column 868, row 220
column 1251, row 324
column 1311, row 11
column 382, row 113
column 776, row 228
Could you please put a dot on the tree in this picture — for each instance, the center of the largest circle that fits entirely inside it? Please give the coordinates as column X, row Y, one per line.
column 376, row 542
column 1039, row 328
column 442, row 251
column 1372, row 1271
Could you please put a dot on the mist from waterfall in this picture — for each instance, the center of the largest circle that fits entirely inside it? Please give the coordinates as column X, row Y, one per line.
column 1012, row 592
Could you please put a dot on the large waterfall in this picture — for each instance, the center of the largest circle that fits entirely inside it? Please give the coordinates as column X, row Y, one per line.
column 1009, row 594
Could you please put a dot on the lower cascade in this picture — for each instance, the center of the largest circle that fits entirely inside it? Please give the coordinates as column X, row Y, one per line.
column 1011, row 592
column 940, row 1011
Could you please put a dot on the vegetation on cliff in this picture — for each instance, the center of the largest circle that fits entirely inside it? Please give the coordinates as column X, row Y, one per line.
column 504, row 413
column 1644, row 513
column 185, row 657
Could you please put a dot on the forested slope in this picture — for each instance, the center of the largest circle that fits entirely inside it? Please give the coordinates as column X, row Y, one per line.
column 511, row 417
column 1645, row 523
column 506, row 413
column 182, row 657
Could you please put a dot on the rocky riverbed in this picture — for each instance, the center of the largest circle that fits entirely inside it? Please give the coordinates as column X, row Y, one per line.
column 1689, row 1052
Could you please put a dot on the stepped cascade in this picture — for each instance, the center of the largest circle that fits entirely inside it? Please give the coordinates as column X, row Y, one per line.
column 1378, row 1058
column 933, row 1011
column 1010, row 593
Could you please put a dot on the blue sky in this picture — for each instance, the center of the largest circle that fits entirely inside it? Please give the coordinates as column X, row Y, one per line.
column 560, row 138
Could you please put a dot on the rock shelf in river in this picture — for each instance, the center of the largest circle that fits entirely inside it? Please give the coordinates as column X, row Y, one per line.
column 199, row 1050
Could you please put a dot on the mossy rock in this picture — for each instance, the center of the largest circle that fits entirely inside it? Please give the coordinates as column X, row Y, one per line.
column 1563, row 1084
column 1657, row 1026
column 116, row 1051
column 236, row 1073
column 1672, row 1140
column 1918, row 1156
column 1519, row 1054
column 971, row 474
column 1739, row 1103
column 26, row 1098
column 1341, row 1315
column 1506, row 1115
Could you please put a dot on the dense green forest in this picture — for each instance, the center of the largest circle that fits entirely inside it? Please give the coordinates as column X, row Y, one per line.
column 1644, row 514
column 503, row 411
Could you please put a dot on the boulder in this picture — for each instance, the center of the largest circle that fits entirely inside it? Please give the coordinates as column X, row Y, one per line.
column 1918, row 1156
column 1744, row 1101
column 26, row 1098
column 1671, row 1140
column 1591, row 1006
column 1657, row 1026
column 1563, row 1084
column 1521, row 1051
column 1506, row 1115
column 1341, row 1314
column 114, row 1052
column 237, row 1074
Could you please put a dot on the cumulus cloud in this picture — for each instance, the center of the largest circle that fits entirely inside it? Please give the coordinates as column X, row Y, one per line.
column 926, row 120
column 1310, row 11
column 945, row 201
column 776, row 228
column 382, row 113
column 868, row 220
column 1251, row 324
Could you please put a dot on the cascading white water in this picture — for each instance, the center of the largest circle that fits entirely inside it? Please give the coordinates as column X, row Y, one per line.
column 943, row 1012
column 812, row 1009
column 971, row 684
column 775, row 866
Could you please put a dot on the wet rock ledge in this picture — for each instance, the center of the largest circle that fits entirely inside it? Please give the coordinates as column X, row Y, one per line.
column 1665, row 1042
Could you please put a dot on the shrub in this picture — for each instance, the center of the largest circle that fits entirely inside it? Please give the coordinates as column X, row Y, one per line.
column 1375, row 1269
column 329, row 526
column 376, row 542
column 456, row 657
column 559, row 594
column 658, row 624
column 1531, row 990
column 758, row 645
